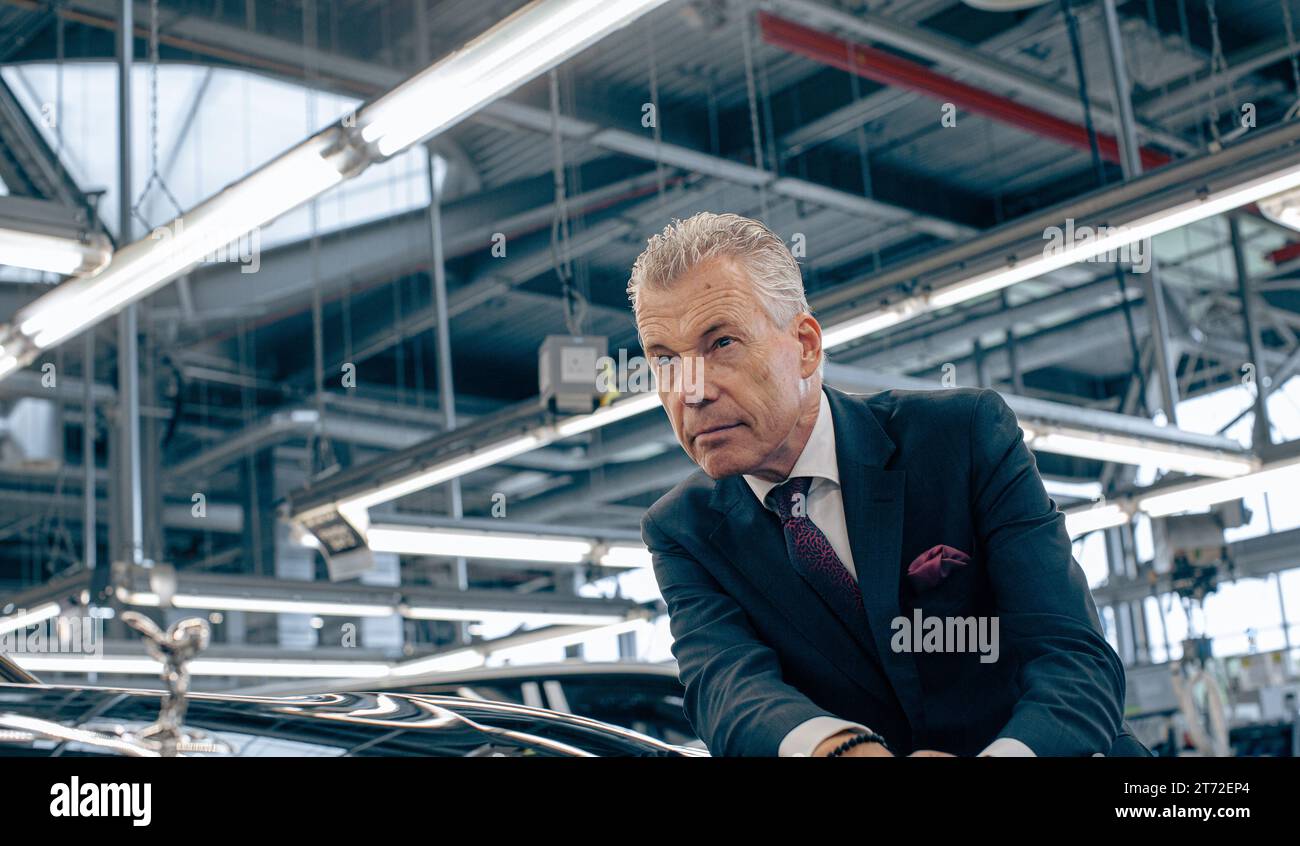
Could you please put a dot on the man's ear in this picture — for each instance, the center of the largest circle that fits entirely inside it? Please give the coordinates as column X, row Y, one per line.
column 809, row 333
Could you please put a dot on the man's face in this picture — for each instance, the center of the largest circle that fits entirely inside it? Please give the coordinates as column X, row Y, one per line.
column 748, row 386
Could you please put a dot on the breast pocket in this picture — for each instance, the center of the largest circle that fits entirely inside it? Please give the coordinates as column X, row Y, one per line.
column 956, row 595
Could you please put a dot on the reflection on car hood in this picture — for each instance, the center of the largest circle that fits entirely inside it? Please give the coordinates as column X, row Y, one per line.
column 342, row 723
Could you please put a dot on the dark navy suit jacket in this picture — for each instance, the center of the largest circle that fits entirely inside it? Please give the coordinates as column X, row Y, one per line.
column 760, row 652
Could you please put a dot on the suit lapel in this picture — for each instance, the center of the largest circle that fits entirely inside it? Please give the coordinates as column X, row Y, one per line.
column 753, row 541
column 873, row 511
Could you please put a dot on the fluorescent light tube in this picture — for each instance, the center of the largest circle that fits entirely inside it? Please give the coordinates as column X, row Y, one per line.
column 857, row 327
column 469, row 544
column 205, row 667
column 1081, row 521
column 23, row 619
column 1149, row 226
column 567, row 638
column 626, row 556
column 1100, row 446
column 281, row 606
column 461, row 659
column 1072, row 490
column 1202, row 495
column 88, row 664
column 288, row 669
column 211, row 602
column 137, row 269
column 620, row 410
column 533, row 40
column 522, row 618
column 64, row 256
column 355, row 508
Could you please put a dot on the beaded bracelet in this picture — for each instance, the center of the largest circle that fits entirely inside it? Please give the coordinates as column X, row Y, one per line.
column 856, row 740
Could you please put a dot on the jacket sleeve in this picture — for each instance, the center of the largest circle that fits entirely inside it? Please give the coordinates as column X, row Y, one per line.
column 1072, row 682
column 736, row 699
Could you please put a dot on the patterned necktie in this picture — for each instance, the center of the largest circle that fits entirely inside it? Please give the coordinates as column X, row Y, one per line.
column 811, row 554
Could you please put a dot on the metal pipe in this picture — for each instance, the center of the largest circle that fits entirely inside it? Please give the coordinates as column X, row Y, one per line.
column 1132, row 162
column 128, row 359
column 1262, row 434
column 442, row 330
column 442, row 316
column 88, row 529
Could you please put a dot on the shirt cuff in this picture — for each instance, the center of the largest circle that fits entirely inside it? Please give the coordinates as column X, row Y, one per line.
column 1007, row 747
column 804, row 738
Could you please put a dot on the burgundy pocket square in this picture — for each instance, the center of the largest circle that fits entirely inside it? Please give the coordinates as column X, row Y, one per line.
column 934, row 565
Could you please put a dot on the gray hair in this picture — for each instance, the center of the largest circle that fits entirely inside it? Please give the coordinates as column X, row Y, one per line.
column 705, row 237
column 685, row 244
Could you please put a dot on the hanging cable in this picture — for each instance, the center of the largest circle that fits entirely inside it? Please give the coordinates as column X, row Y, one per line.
column 1080, row 73
column 155, row 178
column 575, row 307
column 579, row 267
column 320, row 450
column 1217, row 65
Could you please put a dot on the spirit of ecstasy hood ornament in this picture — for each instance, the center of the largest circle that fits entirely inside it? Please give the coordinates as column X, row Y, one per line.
column 174, row 648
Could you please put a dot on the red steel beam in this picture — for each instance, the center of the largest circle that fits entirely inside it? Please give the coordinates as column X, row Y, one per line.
column 889, row 69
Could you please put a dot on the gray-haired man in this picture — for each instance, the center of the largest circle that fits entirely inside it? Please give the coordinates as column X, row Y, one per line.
column 818, row 520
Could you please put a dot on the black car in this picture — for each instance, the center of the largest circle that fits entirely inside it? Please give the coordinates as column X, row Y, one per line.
column 644, row 697
column 72, row 720
column 69, row 720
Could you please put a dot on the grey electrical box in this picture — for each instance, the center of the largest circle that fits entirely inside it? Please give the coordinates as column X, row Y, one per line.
column 567, row 369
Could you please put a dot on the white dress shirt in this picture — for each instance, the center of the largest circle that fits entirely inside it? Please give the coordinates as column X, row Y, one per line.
column 825, row 507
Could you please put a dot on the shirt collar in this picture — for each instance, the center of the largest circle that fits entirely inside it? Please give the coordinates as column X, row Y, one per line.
column 817, row 459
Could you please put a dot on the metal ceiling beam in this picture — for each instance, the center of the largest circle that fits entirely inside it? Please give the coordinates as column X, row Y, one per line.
column 225, row 517
column 1178, row 102
column 890, row 69
column 254, row 587
column 240, row 46
column 957, row 55
column 694, row 161
column 939, row 337
column 27, row 164
column 28, row 383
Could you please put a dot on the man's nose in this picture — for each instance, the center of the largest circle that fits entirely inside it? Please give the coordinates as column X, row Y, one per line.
column 696, row 390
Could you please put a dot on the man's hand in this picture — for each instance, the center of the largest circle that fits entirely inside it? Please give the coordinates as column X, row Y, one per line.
column 930, row 753
column 862, row 750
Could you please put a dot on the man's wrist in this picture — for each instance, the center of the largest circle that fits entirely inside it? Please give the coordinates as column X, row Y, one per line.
column 841, row 743
column 862, row 738
column 802, row 741
column 826, row 746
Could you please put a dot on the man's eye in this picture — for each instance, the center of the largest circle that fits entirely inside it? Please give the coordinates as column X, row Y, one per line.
column 663, row 360
column 724, row 342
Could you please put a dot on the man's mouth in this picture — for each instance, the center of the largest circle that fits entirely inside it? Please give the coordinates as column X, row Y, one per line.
column 713, row 430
